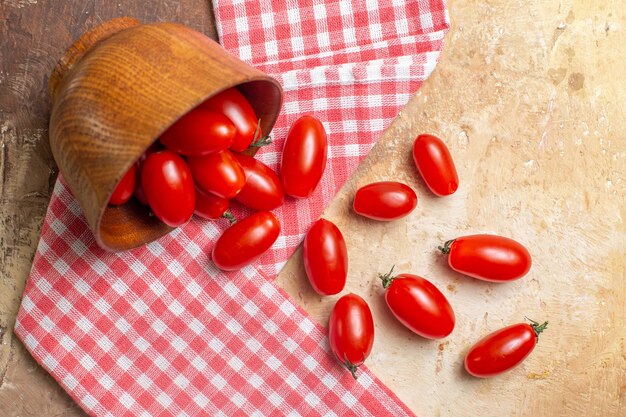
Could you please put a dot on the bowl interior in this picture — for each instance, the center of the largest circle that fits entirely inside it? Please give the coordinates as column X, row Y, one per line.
column 132, row 225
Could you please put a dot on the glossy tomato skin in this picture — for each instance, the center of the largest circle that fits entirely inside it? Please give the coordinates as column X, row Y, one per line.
column 385, row 201
column 434, row 163
column 200, row 132
column 232, row 104
column 245, row 241
column 139, row 194
column 503, row 349
column 168, row 187
column 325, row 258
column 351, row 331
column 218, row 173
column 304, row 157
column 420, row 306
column 125, row 188
column 210, row 206
column 263, row 190
column 488, row 257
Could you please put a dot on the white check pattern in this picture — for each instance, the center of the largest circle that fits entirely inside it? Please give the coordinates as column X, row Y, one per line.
column 159, row 331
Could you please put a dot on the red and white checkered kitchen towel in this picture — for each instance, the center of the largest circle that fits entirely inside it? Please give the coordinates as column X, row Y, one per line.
column 159, row 330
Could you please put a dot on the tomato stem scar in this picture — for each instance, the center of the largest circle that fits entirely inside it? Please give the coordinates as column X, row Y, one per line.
column 445, row 249
column 259, row 141
column 229, row 216
column 387, row 278
column 537, row 328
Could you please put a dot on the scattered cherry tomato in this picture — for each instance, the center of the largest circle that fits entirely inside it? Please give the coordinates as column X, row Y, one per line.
column 488, row 257
column 304, row 157
column 168, row 187
column 325, row 258
column 263, row 190
column 210, row 206
column 218, row 173
column 351, row 331
column 419, row 305
column 435, row 165
column 386, row 200
column 245, row 241
column 200, row 132
column 236, row 107
column 503, row 349
column 124, row 189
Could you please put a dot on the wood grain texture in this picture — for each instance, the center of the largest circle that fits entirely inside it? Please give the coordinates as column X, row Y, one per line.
column 115, row 91
column 528, row 96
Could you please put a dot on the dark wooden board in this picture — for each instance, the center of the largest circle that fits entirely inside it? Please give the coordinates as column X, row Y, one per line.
column 33, row 36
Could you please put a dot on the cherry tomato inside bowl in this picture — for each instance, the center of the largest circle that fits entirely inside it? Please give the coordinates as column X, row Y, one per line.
column 245, row 241
column 503, row 349
column 351, row 331
column 168, row 187
column 237, row 108
column 199, row 132
column 218, row 173
column 263, row 190
column 125, row 188
column 385, row 201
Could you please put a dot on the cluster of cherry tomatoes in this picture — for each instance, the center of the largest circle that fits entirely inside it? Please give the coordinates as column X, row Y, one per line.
column 201, row 163
column 416, row 302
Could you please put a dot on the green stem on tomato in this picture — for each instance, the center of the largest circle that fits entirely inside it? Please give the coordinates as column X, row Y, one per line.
column 264, row 141
column 387, row 278
column 229, row 216
column 445, row 249
column 537, row 328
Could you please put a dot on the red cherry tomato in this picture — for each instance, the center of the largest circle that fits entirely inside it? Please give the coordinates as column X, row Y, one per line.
column 168, row 187
column 263, row 190
column 351, row 331
column 232, row 104
column 245, row 241
column 435, row 165
column 139, row 194
column 124, row 189
column 503, row 349
column 488, row 257
column 419, row 305
column 200, row 132
column 210, row 206
column 218, row 173
column 304, row 157
column 385, row 200
column 325, row 258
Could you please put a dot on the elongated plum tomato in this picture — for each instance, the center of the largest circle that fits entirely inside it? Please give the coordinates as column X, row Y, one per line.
column 263, row 190
column 503, row 349
column 435, row 165
column 325, row 258
column 124, row 189
column 210, row 206
column 168, row 187
column 488, row 257
column 139, row 194
column 351, row 331
column 218, row 173
column 419, row 305
column 232, row 104
column 199, row 132
column 245, row 241
column 384, row 201
column 304, row 157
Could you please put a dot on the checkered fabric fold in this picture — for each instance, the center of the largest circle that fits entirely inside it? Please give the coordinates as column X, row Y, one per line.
column 159, row 331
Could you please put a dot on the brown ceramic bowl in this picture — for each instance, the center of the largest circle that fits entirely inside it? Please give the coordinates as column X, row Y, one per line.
column 115, row 91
